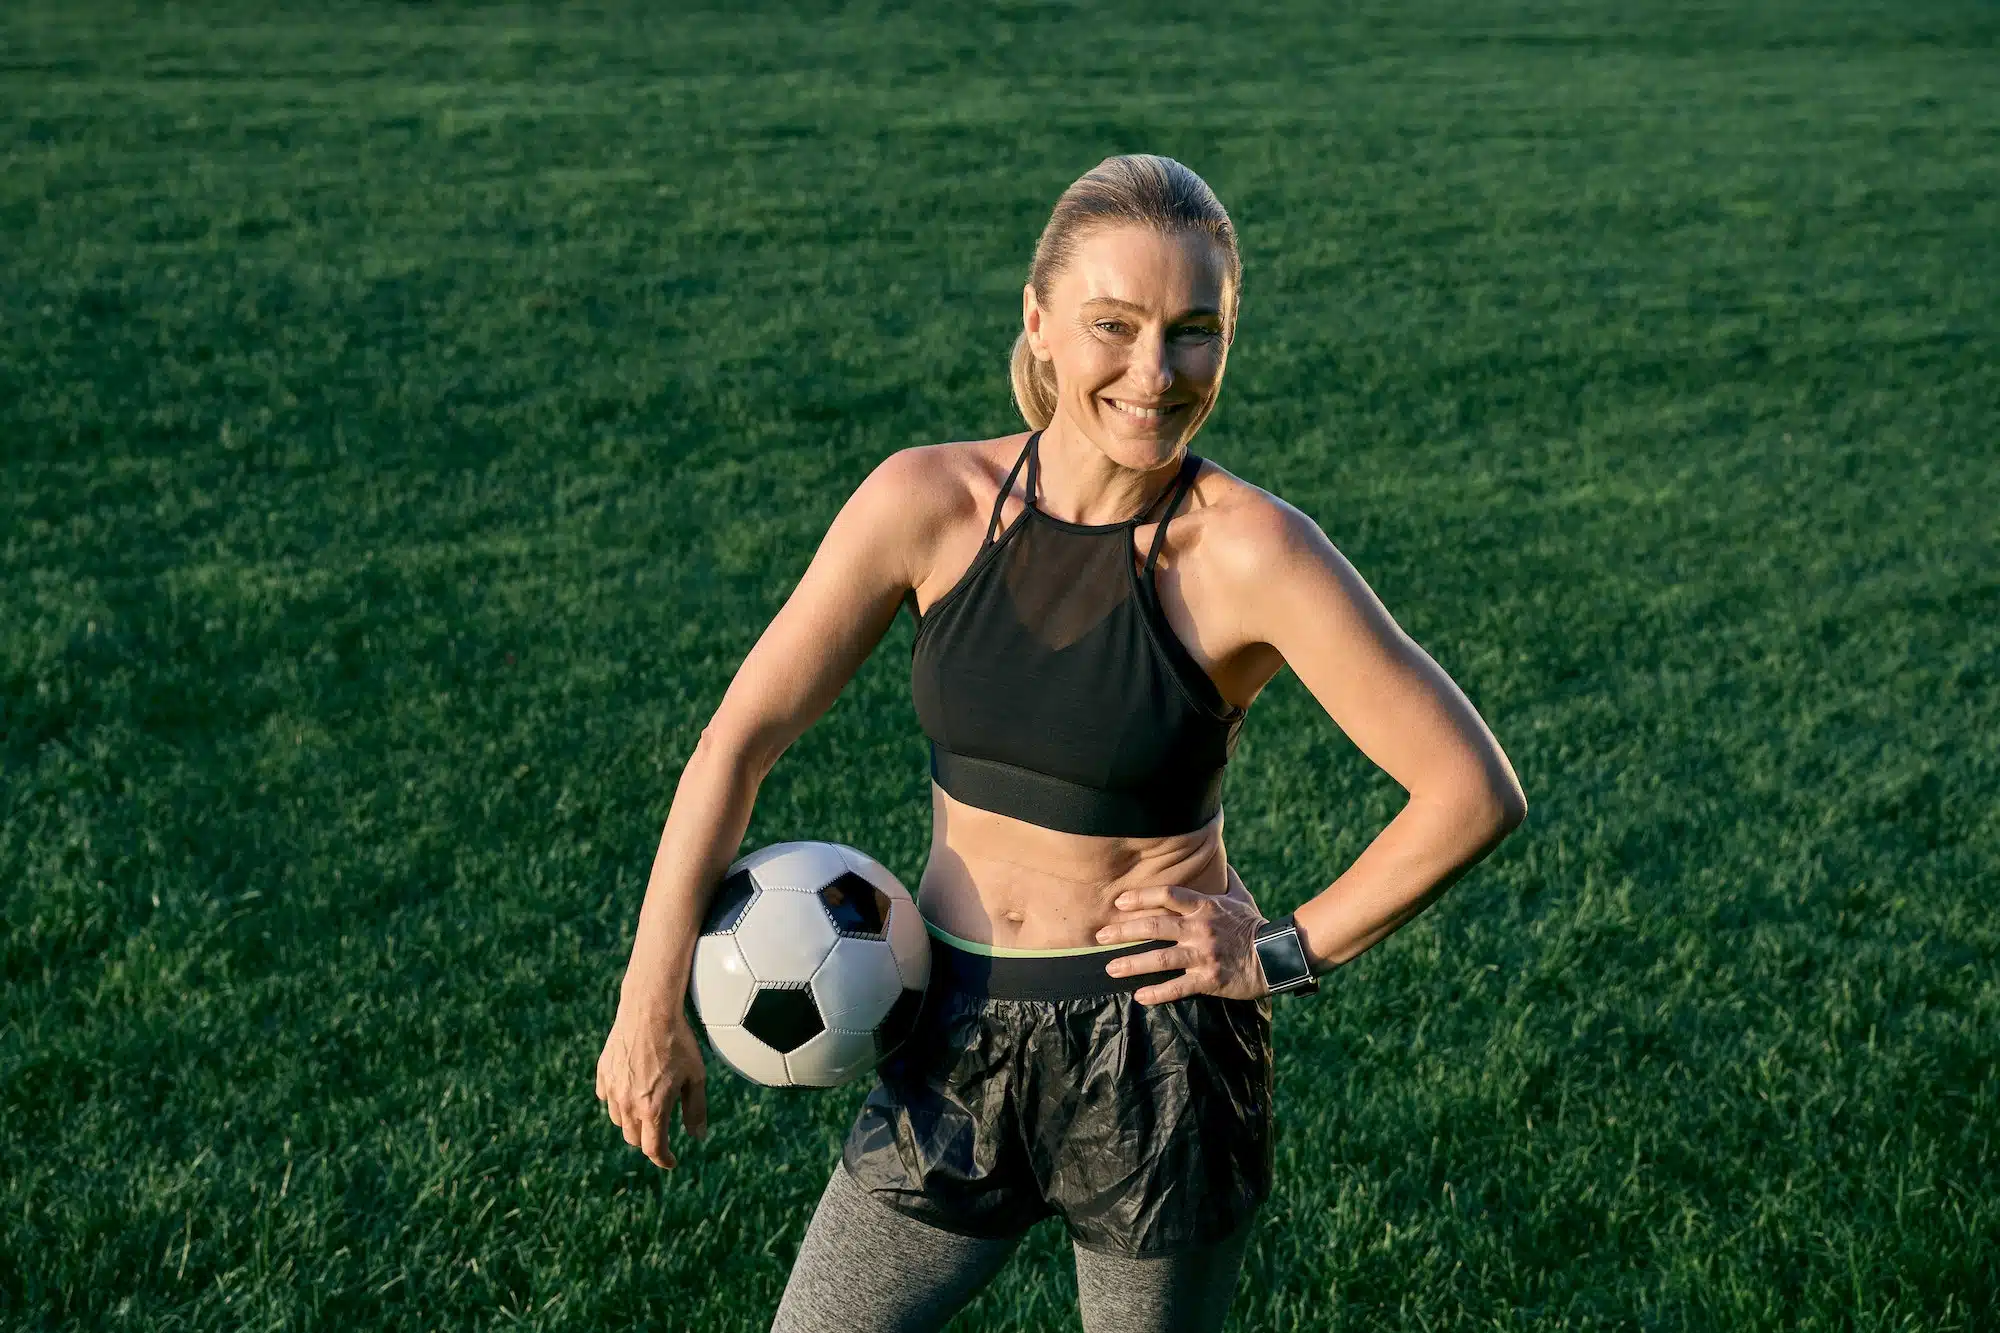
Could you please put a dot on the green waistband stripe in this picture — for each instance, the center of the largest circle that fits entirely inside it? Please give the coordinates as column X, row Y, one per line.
column 1002, row 951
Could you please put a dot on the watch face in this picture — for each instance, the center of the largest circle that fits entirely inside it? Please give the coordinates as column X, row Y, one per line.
column 1283, row 958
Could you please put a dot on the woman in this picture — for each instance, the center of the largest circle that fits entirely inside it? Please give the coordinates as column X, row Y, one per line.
column 1096, row 609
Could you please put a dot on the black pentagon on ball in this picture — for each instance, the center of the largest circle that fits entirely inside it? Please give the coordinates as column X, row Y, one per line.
column 856, row 906
column 731, row 900
column 784, row 1018
column 897, row 1025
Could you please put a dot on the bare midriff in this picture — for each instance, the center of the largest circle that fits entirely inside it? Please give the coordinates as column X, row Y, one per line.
column 993, row 879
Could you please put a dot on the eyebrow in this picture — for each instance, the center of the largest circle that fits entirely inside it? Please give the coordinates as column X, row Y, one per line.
column 1194, row 312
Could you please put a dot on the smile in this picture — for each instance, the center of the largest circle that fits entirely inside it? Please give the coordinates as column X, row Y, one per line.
column 1146, row 413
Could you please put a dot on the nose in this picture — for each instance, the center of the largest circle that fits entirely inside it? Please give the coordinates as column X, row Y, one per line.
column 1153, row 367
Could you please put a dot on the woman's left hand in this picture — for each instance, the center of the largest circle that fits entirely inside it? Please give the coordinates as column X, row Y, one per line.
column 1213, row 936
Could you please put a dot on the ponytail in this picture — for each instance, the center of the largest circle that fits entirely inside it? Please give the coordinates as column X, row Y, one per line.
column 1034, row 385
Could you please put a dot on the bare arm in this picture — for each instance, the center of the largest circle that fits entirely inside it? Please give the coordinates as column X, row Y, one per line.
column 877, row 548
column 1401, row 709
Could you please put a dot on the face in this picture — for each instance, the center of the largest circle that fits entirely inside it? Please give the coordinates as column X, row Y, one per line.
column 1135, row 331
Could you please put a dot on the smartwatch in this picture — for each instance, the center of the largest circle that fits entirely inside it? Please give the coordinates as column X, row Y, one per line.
column 1283, row 957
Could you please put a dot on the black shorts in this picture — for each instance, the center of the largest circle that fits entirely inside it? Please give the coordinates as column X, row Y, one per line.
column 1034, row 1087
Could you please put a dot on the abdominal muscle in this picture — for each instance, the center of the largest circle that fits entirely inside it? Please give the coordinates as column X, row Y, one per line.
column 992, row 879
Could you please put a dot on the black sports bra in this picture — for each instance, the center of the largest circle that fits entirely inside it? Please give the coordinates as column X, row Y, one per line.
column 1053, row 689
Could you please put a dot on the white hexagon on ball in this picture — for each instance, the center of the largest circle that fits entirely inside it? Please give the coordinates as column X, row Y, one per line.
column 723, row 985
column 796, row 865
column 785, row 936
column 856, row 984
column 832, row 1058
column 749, row 1057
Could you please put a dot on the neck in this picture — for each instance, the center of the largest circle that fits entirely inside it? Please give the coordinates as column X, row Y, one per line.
column 1080, row 483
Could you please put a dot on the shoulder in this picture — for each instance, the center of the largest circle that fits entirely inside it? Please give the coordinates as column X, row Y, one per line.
column 938, row 483
column 1247, row 532
column 958, row 473
column 926, row 492
column 1285, row 581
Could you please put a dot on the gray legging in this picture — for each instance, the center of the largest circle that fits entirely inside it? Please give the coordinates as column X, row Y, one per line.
column 866, row 1268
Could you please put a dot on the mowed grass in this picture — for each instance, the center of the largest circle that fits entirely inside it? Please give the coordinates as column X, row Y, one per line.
column 410, row 416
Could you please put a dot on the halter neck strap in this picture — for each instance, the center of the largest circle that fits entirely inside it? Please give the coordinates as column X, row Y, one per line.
column 1026, row 455
column 1190, row 468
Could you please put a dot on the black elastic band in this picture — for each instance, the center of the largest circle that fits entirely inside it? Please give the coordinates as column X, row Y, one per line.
column 1076, row 976
column 1180, row 804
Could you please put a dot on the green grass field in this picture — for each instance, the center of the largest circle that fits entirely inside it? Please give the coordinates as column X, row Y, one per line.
column 409, row 417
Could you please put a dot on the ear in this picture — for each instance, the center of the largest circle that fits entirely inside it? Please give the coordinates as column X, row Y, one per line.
column 1031, row 323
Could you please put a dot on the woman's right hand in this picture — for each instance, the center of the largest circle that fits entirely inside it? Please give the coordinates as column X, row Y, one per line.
column 880, row 546
column 646, row 1067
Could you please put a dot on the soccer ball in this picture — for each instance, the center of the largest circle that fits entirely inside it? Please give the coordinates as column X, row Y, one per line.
column 811, row 965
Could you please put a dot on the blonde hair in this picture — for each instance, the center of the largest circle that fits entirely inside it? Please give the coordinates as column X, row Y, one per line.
column 1135, row 188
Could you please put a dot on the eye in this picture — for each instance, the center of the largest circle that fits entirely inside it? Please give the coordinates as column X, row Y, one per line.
column 1197, row 331
column 1111, row 325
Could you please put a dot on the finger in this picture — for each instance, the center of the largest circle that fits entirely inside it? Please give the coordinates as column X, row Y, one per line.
column 694, row 1107
column 1180, row 986
column 637, row 1110
column 1173, row 898
column 1158, row 926
column 1167, row 896
column 653, row 1142
column 1139, row 926
column 1138, row 964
